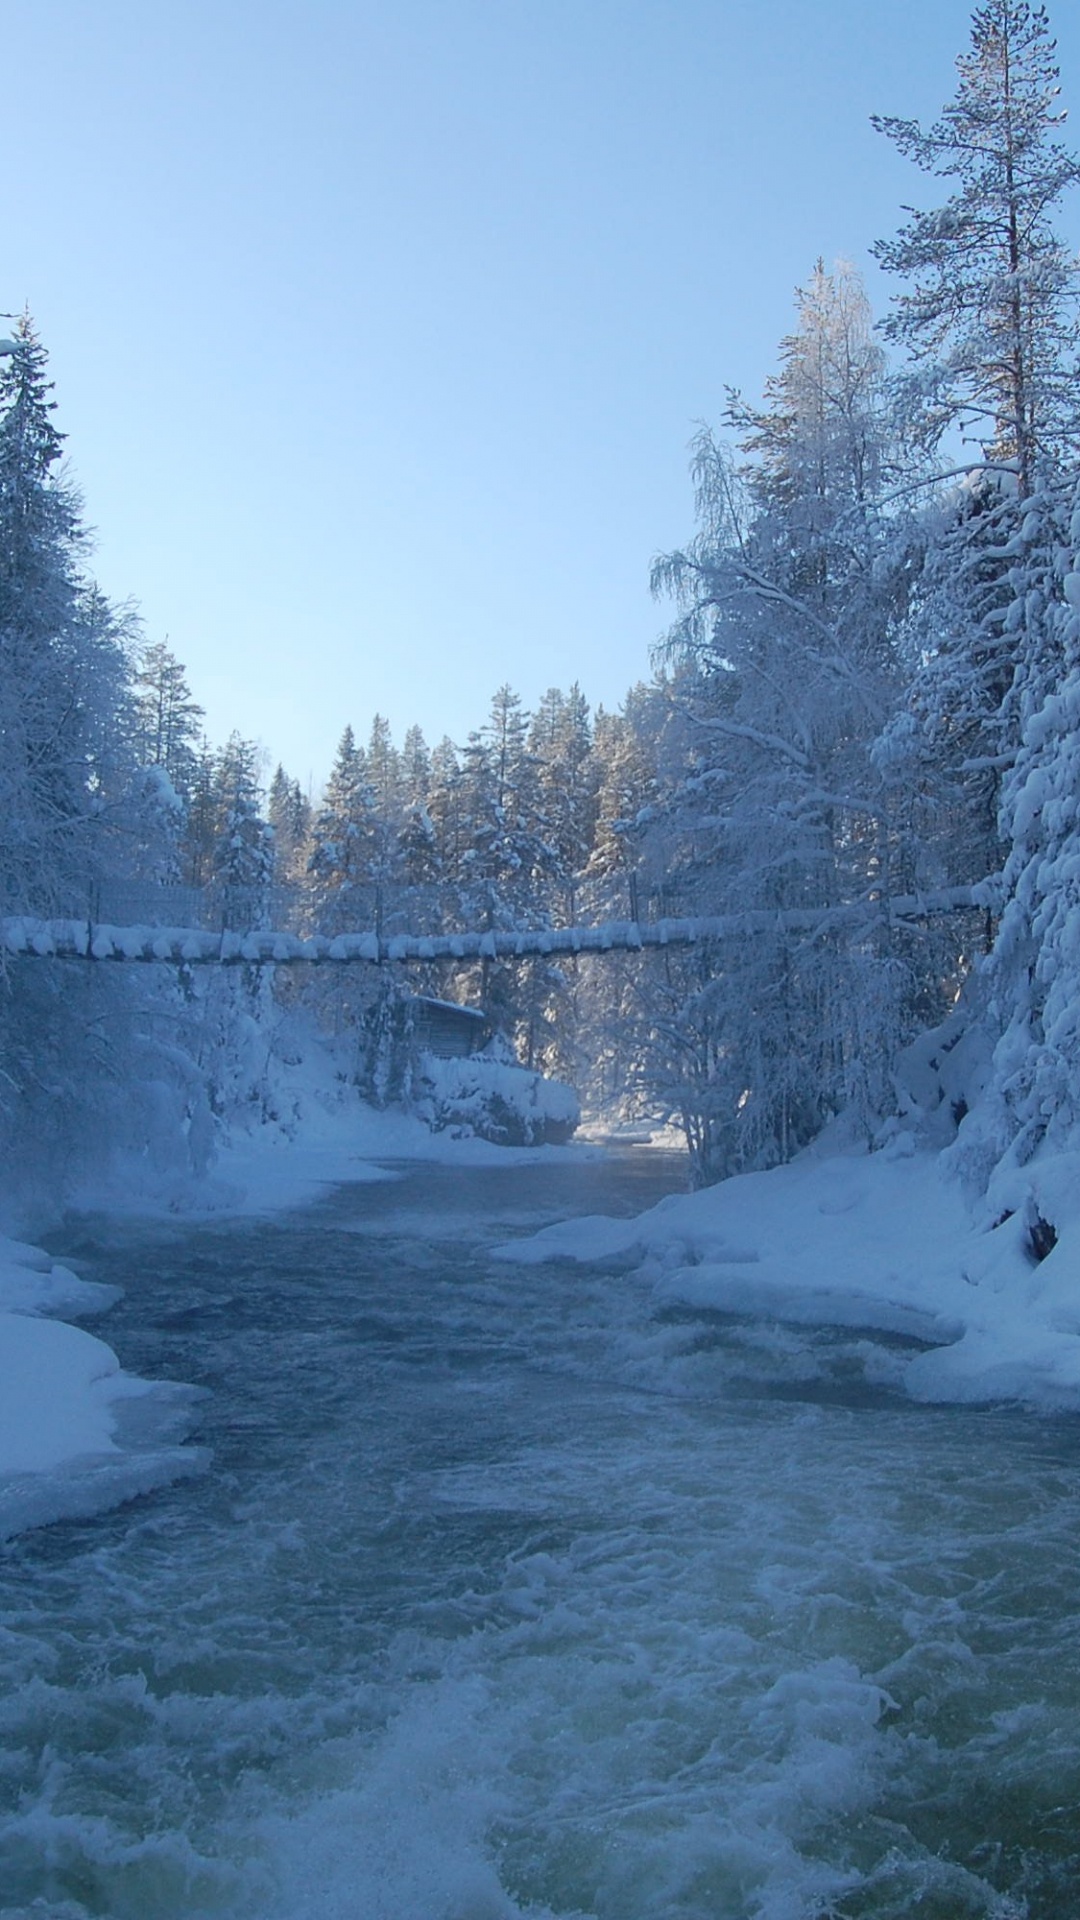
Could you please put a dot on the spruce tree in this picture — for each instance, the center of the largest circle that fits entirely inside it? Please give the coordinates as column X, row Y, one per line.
column 560, row 742
column 85, row 1065
column 289, row 813
column 63, row 665
column 343, row 841
column 243, row 857
column 1031, row 984
column 415, row 767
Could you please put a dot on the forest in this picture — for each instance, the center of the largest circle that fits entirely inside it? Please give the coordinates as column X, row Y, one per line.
column 459, row 1520
column 868, row 692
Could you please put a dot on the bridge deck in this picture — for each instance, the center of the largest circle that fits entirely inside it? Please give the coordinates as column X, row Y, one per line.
column 194, row 946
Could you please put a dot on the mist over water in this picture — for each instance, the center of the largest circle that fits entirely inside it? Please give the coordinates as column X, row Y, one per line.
column 507, row 1596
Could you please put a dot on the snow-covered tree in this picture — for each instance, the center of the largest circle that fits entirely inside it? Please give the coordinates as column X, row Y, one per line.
column 382, row 767
column 415, row 768
column 63, row 687
column 343, row 837
column 505, row 855
column 89, row 1060
column 289, row 813
column 560, row 743
column 626, row 785
column 202, row 824
column 382, row 764
column 978, row 654
column 818, row 446
column 790, row 596
column 244, row 850
column 445, row 802
column 167, row 721
column 989, row 316
column 1032, row 980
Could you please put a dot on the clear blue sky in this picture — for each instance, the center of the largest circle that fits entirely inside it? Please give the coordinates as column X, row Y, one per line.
column 379, row 329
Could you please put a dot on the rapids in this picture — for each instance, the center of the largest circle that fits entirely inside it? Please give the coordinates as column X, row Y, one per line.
column 505, row 1595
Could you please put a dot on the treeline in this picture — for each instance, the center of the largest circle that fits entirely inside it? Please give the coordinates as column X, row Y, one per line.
column 868, row 689
column 502, row 830
column 876, row 670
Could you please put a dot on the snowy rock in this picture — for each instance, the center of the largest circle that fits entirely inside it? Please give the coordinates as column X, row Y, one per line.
column 498, row 1101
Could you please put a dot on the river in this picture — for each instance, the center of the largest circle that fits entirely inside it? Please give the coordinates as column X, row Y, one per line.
column 506, row 1595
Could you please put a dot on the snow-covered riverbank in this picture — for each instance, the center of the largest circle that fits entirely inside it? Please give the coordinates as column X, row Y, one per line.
column 879, row 1240
column 77, row 1434
column 883, row 1240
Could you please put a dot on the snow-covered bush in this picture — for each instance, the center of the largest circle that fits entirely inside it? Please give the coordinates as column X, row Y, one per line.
column 490, row 1095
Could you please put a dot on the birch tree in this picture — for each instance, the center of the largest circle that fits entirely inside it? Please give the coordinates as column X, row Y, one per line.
column 789, row 605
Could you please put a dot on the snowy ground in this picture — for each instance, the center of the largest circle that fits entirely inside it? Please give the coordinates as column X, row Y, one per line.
column 879, row 1240
column 264, row 1171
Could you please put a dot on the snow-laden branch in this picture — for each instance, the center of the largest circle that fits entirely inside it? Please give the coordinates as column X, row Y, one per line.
column 769, row 742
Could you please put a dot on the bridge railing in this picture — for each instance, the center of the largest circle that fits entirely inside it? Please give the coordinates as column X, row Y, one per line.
column 394, row 911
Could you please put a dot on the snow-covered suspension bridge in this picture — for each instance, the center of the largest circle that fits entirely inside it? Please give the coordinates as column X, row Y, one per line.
column 86, row 939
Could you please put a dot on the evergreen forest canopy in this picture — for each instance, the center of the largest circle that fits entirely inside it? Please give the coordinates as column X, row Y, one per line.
column 870, row 688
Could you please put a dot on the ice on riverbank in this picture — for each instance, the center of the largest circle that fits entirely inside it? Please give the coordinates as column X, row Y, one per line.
column 77, row 1435
column 882, row 1240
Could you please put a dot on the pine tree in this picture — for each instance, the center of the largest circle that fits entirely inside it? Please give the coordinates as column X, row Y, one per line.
column 382, row 765
column 990, row 315
column 625, row 781
column 446, row 806
column 167, row 729
column 419, row 858
column 383, row 769
column 990, row 321
column 979, row 657
column 818, row 446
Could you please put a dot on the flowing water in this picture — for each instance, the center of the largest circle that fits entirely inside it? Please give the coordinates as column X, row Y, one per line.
column 505, row 1595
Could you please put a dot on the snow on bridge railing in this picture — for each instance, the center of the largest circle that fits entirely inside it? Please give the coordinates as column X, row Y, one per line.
column 196, row 946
